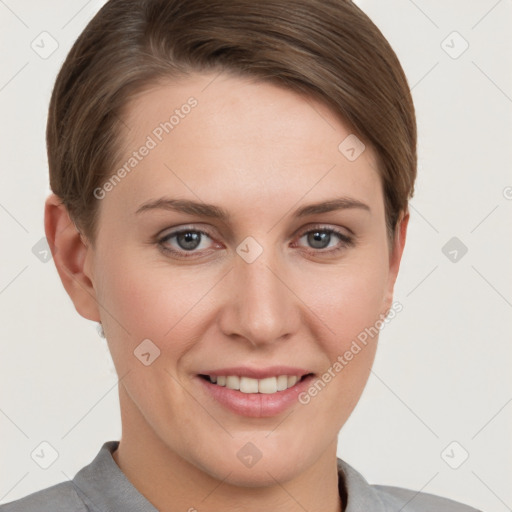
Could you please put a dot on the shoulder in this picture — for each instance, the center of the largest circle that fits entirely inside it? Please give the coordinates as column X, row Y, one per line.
column 418, row 501
column 360, row 495
column 61, row 497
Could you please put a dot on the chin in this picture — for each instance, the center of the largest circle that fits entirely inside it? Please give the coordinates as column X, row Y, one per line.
column 245, row 465
column 262, row 474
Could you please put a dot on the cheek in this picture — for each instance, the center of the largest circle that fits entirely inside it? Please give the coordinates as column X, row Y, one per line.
column 350, row 298
column 350, row 309
column 350, row 304
column 148, row 300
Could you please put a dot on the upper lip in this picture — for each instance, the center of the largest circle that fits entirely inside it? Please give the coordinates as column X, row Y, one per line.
column 257, row 373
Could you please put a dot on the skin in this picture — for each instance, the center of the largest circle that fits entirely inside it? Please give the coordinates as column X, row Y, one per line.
column 258, row 151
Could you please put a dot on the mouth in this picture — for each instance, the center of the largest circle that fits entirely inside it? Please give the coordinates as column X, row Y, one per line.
column 265, row 397
column 257, row 392
column 268, row 385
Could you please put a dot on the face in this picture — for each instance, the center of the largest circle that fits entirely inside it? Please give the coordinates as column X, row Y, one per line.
column 270, row 288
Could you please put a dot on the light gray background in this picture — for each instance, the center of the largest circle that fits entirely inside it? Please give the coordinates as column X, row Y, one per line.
column 442, row 371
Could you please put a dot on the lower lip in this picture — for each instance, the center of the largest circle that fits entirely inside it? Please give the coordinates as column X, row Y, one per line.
column 256, row 405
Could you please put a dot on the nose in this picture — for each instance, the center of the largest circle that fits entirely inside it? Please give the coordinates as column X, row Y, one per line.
column 259, row 305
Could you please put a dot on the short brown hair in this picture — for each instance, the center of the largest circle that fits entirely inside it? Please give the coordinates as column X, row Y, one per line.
column 328, row 49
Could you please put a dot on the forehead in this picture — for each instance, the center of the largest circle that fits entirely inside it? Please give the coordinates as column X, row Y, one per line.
column 231, row 139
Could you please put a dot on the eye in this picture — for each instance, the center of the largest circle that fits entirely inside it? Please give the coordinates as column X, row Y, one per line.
column 187, row 242
column 320, row 237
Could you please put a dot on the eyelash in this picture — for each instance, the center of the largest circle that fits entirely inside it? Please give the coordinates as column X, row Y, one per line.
column 345, row 241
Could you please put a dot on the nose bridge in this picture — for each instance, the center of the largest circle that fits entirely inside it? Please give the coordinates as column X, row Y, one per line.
column 261, row 305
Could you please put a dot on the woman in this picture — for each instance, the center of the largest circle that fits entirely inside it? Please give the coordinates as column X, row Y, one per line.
column 230, row 201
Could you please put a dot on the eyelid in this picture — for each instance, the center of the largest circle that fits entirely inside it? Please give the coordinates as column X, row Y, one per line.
column 326, row 227
column 171, row 234
column 197, row 228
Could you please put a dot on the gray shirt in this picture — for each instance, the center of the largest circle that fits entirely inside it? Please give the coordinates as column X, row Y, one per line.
column 101, row 486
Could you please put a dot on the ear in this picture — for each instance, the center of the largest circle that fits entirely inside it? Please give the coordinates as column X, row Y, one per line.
column 71, row 254
column 395, row 257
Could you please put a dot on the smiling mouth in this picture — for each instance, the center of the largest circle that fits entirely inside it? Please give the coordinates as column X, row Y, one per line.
column 268, row 385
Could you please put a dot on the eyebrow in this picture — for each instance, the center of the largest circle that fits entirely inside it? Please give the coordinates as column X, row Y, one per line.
column 216, row 212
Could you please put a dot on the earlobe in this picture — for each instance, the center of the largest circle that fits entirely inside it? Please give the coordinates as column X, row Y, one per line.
column 70, row 256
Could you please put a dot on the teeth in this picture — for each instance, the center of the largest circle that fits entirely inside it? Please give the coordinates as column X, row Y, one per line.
column 282, row 382
column 233, row 382
column 269, row 385
column 248, row 385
